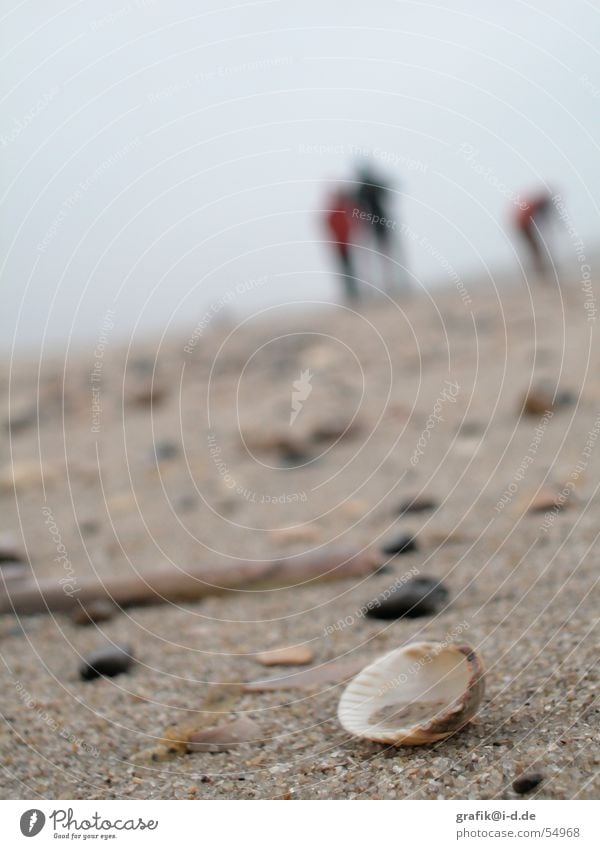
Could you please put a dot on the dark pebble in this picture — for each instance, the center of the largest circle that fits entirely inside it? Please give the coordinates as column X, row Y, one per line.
column 471, row 429
column 420, row 596
column 100, row 610
column 9, row 549
column 148, row 395
column 416, row 505
column 527, row 782
column 186, row 503
column 165, row 450
column 537, row 402
column 565, row 398
column 108, row 662
column 292, row 452
column 142, row 366
column 21, row 421
column 542, row 399
column 89, row 526
column 400, row 545
column 294, row 458
column 330, row 432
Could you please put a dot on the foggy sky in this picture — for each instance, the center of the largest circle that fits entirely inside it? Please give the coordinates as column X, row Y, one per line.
column 157, row 156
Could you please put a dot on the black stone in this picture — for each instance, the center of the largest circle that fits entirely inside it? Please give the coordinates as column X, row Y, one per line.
column 416, row 505
column 292, row 455
column 21, row 421
column 9, row 550
column 166, row 450
column 108, row 662
column 400, row 545
column 565, row 398
column 527, row 782
column 89, row 526
column 420, row 596
column 185, row 503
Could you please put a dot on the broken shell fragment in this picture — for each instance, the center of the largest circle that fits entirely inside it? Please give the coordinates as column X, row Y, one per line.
column 417, row 694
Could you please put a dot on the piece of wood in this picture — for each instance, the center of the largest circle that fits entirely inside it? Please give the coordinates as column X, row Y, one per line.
column 172, row 585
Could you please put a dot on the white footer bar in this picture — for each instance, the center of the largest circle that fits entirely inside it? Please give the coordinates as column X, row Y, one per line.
column 287, row 825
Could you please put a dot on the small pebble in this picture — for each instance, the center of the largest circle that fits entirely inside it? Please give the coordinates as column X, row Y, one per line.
column 329, row 432
column 110, row 661
column 541, row 399
column 89, row 526
column 420, row 596
column 165, row 450
column 99, row 610
column 21, row 419
column 400, row 545
column 289, row 536
column 546, row 500
column 418, row 504
column 185, row 503
column 527, row 782
column 147, row 395
column 9, row 549
column 293, row 453
column 292, row 656
column 471, row 429
column 537, row 402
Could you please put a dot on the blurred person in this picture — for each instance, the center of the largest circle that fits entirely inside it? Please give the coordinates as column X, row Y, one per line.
column 341, row 226
column 373, row 198
column 532, row 214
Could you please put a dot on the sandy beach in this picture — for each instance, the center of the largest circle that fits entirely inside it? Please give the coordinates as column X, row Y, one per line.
column 182, row 450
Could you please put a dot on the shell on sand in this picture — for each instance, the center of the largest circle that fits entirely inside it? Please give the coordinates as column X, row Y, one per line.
column 416, row 694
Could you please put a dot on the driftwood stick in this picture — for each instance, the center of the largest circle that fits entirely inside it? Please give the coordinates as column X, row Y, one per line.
column 169, row 584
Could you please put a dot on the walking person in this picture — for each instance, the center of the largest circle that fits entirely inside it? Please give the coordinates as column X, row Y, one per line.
column 373, row 197
column 340, row 227
column 531, row 215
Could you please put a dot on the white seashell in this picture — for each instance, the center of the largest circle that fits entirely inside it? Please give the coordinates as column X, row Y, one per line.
column 417, row 694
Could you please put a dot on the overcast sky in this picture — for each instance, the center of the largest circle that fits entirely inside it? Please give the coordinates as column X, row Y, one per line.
column 157, row 155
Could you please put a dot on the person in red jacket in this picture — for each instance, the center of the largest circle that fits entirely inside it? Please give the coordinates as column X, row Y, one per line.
column 339, row 223
column 531, row 213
